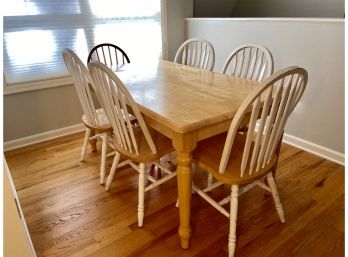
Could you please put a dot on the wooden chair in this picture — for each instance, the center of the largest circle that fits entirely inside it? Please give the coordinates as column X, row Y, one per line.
column 196, row 52
column 109, row 54
column 138, row 144
column 95, row 120
column 249, row 61
column 246, row 159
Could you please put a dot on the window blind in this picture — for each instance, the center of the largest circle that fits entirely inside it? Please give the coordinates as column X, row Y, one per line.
column 36, row 32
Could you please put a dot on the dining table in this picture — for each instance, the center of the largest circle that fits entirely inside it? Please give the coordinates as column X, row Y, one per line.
column 187, row 105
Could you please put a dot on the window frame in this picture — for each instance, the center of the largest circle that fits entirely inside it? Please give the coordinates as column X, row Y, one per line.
column 26, row 86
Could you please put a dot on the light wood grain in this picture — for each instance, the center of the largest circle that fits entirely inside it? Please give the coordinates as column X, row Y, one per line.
column 182, row 97
column 187, row 105
column 69, row 214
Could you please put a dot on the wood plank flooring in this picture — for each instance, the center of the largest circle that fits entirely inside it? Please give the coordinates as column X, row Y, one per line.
column 69, row 214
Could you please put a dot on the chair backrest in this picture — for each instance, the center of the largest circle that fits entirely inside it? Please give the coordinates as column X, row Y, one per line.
column 109, row 54
column 266, row 109
column 83, row 84
column 118, row 103
column 196, row 52
column 249, row 61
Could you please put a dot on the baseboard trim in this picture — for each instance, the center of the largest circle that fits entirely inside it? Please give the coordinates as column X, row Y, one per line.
column 307, row 146
column 30, row 140
column 315, row 149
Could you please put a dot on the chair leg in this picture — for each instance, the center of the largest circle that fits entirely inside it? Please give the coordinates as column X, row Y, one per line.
column 93, row 142
column 233, row 220
column 278, row 204
column 112, row 171
column 267, row 193
column 85, row 143
column 141, row 194
column 210, row 181
column 103, row 157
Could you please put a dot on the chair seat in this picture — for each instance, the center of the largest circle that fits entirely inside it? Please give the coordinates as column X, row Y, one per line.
column 162, row 143
column 104, row 122
column 208, row 154
column 104, row 125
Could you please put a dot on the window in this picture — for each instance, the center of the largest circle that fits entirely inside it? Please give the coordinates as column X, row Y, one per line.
column 36, row 32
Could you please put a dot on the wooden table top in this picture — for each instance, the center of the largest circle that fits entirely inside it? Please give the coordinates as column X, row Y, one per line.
column 182, row 97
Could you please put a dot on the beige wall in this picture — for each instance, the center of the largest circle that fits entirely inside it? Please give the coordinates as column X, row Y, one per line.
column 38, row 111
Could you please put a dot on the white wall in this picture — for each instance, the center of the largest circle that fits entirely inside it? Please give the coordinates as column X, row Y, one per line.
column 317, row 46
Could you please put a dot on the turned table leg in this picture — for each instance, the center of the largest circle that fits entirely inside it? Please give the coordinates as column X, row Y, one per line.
column 184, row 145
column 184, row 175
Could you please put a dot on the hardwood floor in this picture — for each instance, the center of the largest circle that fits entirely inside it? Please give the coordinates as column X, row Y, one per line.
column 69, row 214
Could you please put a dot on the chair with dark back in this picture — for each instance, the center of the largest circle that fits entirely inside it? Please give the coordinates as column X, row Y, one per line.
column 109, row 54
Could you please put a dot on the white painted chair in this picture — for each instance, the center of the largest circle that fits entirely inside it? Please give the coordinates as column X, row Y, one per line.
column 109, row 54
column 245, row 159
column 196, row 52
column 249, row 61
column 95, row 120
column 138, row 144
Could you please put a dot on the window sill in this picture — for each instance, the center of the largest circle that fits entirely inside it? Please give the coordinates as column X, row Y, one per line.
column 36, row 85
